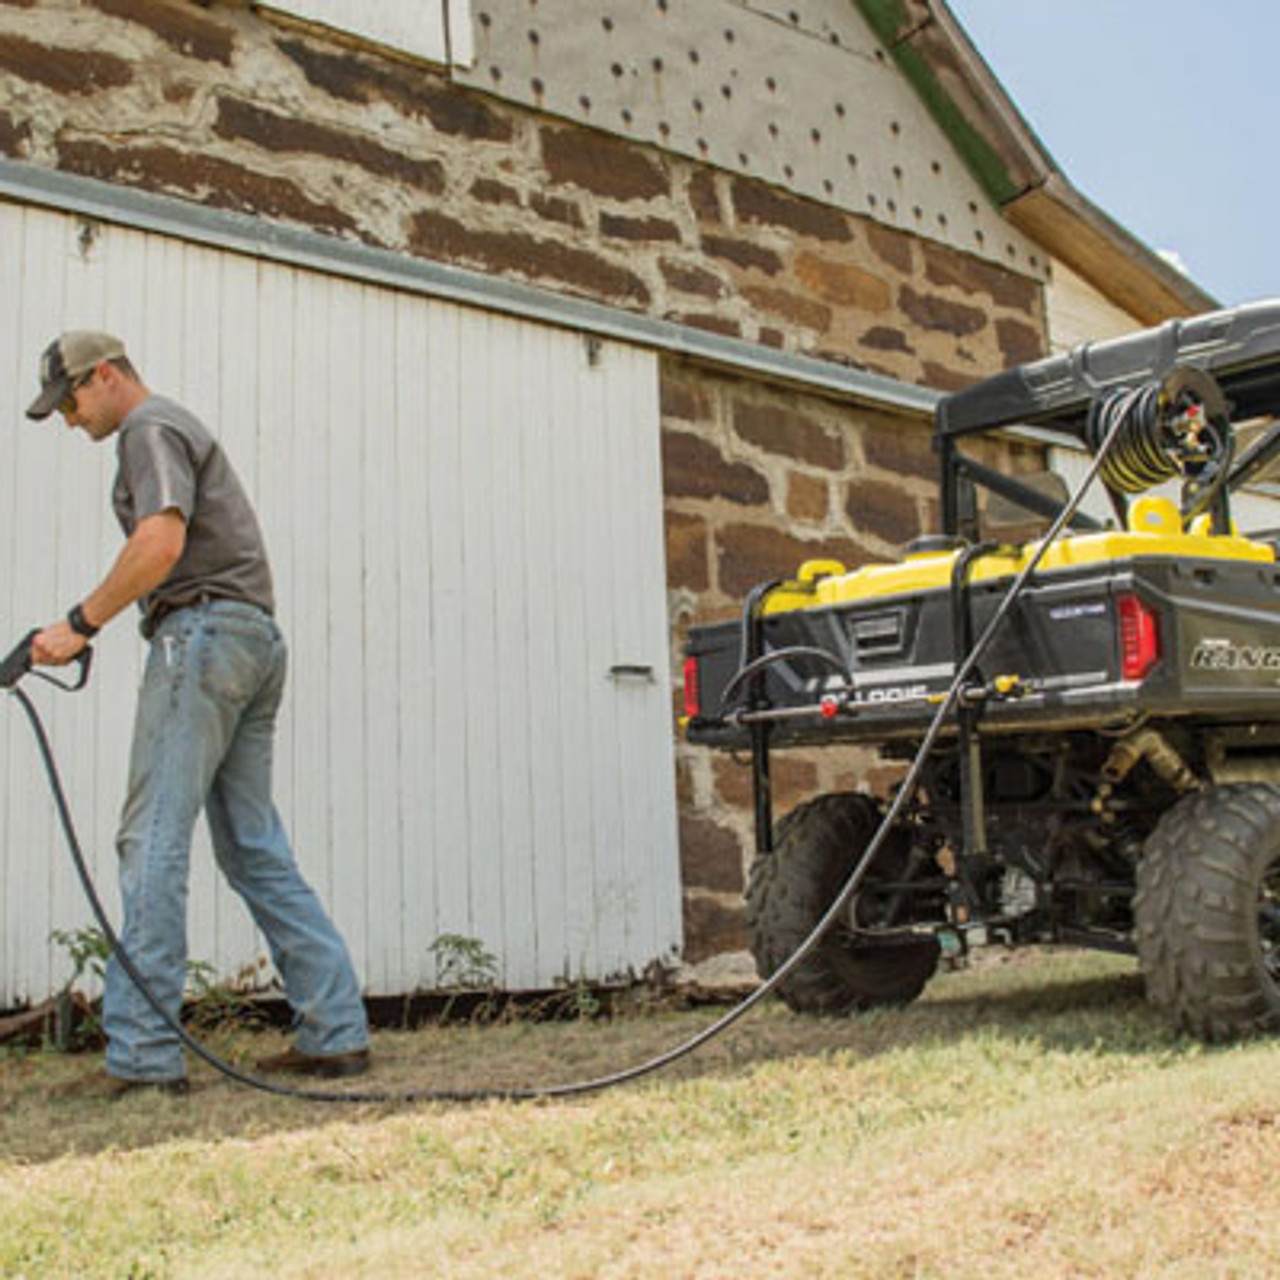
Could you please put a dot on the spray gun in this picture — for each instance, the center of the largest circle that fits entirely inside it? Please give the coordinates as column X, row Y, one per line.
column 17, row 664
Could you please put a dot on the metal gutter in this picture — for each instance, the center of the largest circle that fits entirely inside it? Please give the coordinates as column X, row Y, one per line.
column 255, row 237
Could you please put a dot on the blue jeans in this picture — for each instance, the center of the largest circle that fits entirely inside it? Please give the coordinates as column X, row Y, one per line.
column 203, row 738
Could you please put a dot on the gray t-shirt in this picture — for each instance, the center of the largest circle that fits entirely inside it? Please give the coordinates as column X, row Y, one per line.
column 168, row 460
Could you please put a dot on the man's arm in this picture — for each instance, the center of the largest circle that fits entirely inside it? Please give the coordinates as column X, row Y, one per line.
column 144, row 562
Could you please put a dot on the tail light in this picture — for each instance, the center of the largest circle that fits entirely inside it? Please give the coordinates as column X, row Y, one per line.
column 1139, row 638
column 692, row 691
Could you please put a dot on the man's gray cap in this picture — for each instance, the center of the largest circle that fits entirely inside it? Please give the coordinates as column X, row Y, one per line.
column 68, row 357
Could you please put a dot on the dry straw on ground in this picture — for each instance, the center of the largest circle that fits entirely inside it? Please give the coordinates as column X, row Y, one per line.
column 1031, row 1117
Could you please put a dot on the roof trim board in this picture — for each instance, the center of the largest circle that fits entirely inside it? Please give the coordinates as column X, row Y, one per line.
column 1016, row 170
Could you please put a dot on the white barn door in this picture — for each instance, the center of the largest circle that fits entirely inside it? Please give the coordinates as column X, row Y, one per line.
column 465, row 521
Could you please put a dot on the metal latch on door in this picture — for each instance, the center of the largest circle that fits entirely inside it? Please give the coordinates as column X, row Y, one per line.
column 621, row 671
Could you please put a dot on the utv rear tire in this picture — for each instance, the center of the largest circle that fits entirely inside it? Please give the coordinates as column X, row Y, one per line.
column 789, row 891
column 1207, row 912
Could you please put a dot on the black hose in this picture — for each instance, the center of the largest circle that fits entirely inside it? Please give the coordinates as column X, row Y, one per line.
column 577, row 1088
column 790, row 654
column 1149, row 449
column 1146, row 453
column 750, row 609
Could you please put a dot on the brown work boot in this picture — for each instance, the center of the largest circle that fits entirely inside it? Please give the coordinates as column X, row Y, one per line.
column 102, row 1084
column 329, row 1065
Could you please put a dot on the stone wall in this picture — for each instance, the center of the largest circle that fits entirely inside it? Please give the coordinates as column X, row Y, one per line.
column 216, row 105
column 213, row 104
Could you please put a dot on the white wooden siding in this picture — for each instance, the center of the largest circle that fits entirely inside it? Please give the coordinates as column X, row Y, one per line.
column 421, row 27
column 1252, row 510
column 1077, row 312
column 464, row 516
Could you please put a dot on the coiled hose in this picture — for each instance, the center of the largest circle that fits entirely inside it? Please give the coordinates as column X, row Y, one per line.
column 1163, row 427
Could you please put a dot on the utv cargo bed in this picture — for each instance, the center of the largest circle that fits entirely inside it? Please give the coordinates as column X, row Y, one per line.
column 1117, row 626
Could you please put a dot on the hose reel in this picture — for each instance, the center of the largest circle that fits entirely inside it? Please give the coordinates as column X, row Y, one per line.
column 1177, row 426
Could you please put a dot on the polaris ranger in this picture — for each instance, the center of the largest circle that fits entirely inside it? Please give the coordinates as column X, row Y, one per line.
column 1104, row 771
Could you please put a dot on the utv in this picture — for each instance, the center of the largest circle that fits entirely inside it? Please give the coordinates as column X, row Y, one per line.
column 1103, row 770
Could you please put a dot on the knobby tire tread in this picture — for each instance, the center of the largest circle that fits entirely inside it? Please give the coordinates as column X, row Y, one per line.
column 1196, row 912
column 815, row 848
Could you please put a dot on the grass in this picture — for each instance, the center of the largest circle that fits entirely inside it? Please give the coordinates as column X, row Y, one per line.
column 1031, row 1117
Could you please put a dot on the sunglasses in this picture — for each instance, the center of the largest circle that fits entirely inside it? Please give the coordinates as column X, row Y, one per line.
column 68, row 402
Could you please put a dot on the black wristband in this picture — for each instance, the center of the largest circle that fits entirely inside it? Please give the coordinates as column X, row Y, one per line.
column 80, row 624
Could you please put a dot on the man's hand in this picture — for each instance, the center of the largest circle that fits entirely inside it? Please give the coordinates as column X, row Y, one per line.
column 57, row 645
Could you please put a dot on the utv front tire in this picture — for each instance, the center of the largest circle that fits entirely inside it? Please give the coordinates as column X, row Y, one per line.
column 790, row 889
column 1207, row 912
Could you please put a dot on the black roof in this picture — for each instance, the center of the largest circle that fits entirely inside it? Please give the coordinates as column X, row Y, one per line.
column 1240, row 347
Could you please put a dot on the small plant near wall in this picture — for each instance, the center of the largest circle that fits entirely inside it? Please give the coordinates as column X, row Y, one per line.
column 583, row 1002
column 213, row 1003
column 88, row 950
column 465, row 967
column 463, row 964
column 77, row 1022
column 209, row 1003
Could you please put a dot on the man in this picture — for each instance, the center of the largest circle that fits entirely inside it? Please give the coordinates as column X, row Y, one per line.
column 195, row 564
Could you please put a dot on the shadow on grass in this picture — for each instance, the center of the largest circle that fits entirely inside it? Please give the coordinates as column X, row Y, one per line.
column 1055, row 1002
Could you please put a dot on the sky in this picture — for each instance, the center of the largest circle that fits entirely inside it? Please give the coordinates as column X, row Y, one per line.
column 1164, row 113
